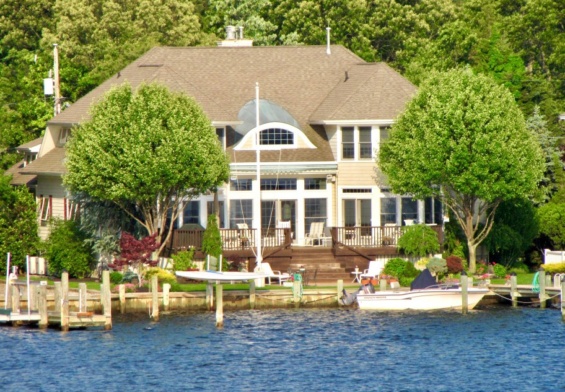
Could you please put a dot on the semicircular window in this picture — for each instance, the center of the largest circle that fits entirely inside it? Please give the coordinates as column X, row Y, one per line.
column 276, row 136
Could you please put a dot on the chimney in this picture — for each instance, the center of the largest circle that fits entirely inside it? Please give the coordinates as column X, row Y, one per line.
column 233, row 39
column 328, row 50
column 230, row 32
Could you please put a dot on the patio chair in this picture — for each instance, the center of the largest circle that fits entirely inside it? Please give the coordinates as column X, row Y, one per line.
column 316, row 233
column 374, row 270
column 283, row 225
column 273, row 274
column 245, row 234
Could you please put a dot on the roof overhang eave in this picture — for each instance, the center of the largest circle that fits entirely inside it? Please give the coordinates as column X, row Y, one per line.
column 353, row 122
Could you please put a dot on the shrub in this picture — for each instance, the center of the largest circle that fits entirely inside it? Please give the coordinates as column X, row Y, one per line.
column 519, row 268
column 163, row 276
column 454, row 265
column 395, row 267
column 422, row 263
column 418, row 240
column 500, row 271
column 437, row 266
column 67, row 250
column 116, row 277
column 482, row 268
column 184, row 260
column 558, row 268
column 405, row 281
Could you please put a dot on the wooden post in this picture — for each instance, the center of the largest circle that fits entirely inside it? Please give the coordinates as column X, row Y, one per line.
column 542, row 296
column 155, row 298
column 339, row 289
column 219, row 305
column 514, row 289
column 562, row 300
column 41, row 291
column 122, row 295
column 383, row 284
column 464, row 293
column 82, row 297
column 15, row 298
column 166, row 289
column 252, row 294
column 106, row 297
column 57, row 293
column 296, row 286
column 65, row 301
column 209, row 295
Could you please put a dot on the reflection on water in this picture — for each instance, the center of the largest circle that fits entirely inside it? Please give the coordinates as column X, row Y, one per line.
column 496, row 349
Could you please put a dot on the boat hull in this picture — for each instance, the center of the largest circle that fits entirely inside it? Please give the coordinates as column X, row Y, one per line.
column 427, row 299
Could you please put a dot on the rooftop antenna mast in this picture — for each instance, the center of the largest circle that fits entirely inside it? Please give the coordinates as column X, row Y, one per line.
column 258, row 153
column 57, row 108
column 328, row 49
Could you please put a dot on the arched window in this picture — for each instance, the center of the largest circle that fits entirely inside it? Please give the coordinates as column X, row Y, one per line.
column 276, row 136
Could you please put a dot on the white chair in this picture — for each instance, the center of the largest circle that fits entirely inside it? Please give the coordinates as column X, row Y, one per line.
column 316, row 233
column 283, row 225
column 374, row 270
column 270, row 274
column 245, row 234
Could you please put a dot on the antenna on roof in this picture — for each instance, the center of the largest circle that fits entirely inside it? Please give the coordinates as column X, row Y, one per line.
column 328, row 50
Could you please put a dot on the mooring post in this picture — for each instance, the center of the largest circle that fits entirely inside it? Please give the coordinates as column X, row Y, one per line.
column 155, row 298
column 122, row 295
column 166, row 300
column 542, row 296
column 382, row 284
column 209, row 295
column 562, row 298
column 42, row 305
column 296, row 289
column 15, row 298
column 464, row 293
column 57, row 296
column 219, row 305
column 339, row 289
column 252, row 294
column 514, row 289
column 65, row 301
column 106, row 298
column 82, row 297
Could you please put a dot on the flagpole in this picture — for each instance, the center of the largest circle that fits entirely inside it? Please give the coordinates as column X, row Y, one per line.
column 259, row 258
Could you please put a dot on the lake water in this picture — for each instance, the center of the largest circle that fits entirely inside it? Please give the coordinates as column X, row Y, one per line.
column 492, row 349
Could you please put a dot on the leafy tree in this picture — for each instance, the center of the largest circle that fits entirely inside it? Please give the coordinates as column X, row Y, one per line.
column 18, row 224
column 67, row 250
column 151, row 148
column 136, row 253
column 212, row 241
column 419, row 240
column 458, row 140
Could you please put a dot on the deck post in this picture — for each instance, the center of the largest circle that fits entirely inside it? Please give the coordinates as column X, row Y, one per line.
column 339, row 289
column 154, row 298
column 166, row 301
column 464, row 293
column 65, row 301
column 219, row 305
column 542, row 296
column 252, row 294
column 514, row 289
column 41, row 291
column 122, row 295
column 106, row 298
column 562, row 299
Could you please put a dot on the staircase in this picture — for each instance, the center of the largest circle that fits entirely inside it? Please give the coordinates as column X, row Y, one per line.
column 322, row 259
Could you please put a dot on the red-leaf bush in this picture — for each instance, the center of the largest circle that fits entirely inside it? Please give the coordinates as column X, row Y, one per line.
column 454, row 264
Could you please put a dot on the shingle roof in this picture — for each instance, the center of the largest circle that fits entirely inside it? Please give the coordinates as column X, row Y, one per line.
column 19, row 178
column 51, row 163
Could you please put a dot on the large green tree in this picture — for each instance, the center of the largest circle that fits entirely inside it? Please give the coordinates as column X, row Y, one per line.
column 150, row 147
column 463, row 139
column 18, row 223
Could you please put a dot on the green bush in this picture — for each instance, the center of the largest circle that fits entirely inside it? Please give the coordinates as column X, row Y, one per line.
column 418, row 240
column 116, row 277
column 67, row 249
column 500, row 271
column 400, row 268
column 519, row 267
column 558, row 268
column 405, row 281
column 163, row 276
column 184, row 260
column 437, row 266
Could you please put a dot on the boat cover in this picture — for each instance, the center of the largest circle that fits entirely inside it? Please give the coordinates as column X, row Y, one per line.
column 424, row 280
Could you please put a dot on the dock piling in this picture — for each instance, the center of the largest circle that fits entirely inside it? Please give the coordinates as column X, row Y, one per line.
column 64, row 302
column 42, row 305
column 464, row 293
column 219, row 305
column 339, row 290
column 252, row 293
column 562, row 298
column 122, row 295
column 166, row 289
column 514, row 289
column 154, row 298
column 106, row 298
column 542, row 295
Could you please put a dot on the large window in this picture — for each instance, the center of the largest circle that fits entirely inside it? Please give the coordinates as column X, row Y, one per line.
column 241, row 211
column 315, row 210
column 244, row 184
column 45, row 209
column 356, row 143
column 357, row 212
column 409, row 210
column 278, row 184
column 433, row 211
column 191, row 213
column 388, row 210
column 210, row 208
column 314, row 183
column 276, row 136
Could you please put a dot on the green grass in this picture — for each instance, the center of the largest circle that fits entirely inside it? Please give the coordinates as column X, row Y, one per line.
column 521, row 278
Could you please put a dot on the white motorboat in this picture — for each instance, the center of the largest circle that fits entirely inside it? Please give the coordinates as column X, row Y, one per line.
column 424, row 294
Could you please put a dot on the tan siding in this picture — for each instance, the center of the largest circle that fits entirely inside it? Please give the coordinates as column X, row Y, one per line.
column 51, row 186
column 356, row 174
column 331, row 132
column 48, row 142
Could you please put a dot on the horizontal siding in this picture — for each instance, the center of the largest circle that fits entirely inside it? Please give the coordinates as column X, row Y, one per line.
column 51, row 186
column 356, row 174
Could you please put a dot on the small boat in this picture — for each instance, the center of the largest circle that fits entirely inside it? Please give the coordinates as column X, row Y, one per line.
column 424, row 294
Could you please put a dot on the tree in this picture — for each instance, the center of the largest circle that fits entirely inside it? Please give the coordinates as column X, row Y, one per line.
column 150, row 147
column 18, row 223
column 463, row 139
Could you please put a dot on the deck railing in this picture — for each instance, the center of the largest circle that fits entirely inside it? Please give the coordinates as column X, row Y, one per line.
column 245, row 239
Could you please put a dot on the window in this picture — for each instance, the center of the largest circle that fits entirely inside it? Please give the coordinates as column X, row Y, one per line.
column 365, row 145
column 383, row 133
column 388, row 210
column 244, row 184
column 278, row 184
column 315, row 210
column 71, row 209
column 241, row 211
column 45, row 209
column 357, row 190
column 64, row 134
column 191, row 213
column 276, row 136
column 409, row 209
column 210, row 207
column 433, row 211
column 314, row 183
column 347, row 143
column 357, row 212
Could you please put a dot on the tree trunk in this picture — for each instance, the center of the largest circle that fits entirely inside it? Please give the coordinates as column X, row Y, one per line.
column 472, row 257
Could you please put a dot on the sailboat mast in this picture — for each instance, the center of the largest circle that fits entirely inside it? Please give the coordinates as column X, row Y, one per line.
column 258, row 154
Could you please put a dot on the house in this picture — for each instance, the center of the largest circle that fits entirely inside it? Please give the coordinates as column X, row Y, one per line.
column 323, row 113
